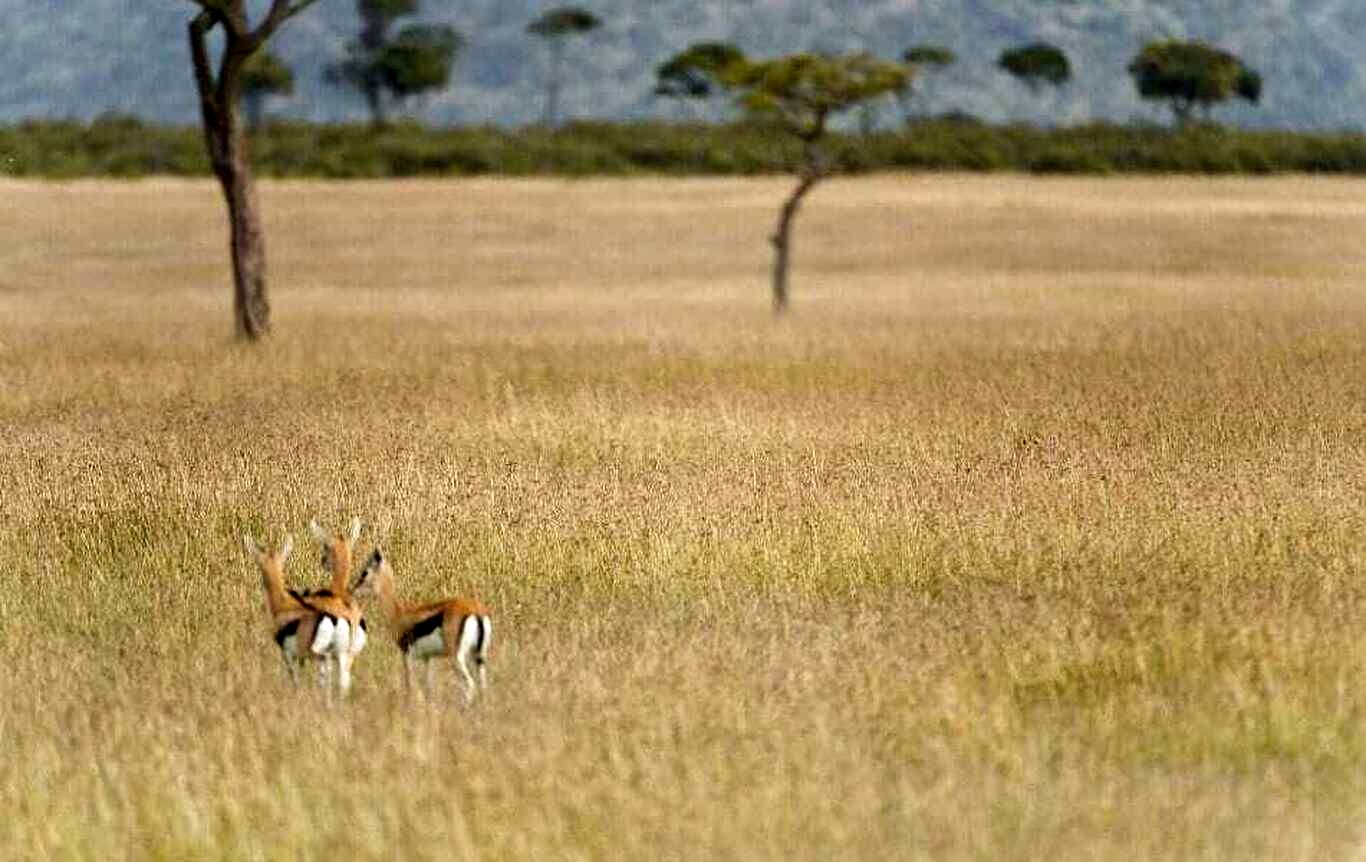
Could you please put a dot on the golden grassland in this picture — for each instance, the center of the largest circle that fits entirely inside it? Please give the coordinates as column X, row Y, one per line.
column 1037, row 531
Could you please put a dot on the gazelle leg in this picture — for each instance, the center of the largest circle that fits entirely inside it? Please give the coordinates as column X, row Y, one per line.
column 427, row 677
column 344, row 671
column 469, row 642
column 407, row 673
column 464, row 668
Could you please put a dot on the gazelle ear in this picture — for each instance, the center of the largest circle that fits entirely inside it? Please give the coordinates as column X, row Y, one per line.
column 286, row 548
column 253, row 550
column 318, row 532
column 355, row 529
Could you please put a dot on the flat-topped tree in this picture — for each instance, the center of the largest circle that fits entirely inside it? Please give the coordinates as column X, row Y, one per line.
column 555, row 27
column 265, row 75
column 691, row 74
column 798, row 95
column 921, row 59
column 1036, row 65
column 220, row 89
column 1190, row 75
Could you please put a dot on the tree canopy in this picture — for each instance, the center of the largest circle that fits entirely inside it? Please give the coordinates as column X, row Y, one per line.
column 929, row 55
column 266, row 74
column 801, row 92
column 694, row 72
column 419, row 59
column 564, row 21
column 1188, row 75
column 1037, row 64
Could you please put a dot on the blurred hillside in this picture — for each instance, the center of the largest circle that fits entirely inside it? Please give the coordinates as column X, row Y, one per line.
column 87, row 57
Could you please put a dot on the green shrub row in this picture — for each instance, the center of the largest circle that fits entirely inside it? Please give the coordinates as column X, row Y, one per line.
column 125, row 147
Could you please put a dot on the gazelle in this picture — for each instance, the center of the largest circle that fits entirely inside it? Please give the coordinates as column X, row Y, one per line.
column 302, row 633
column 458, row 628
column 336, row 598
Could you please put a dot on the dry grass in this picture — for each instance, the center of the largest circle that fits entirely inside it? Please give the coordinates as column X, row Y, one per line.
column 1037, row 532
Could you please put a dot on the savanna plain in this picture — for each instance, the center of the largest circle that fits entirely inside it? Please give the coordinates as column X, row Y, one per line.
column 1037, row 530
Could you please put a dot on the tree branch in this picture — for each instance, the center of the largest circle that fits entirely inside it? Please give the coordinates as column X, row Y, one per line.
column 199, row 51
column 232, row 14
column 299, row 6
column 280, row 12
column 203, row 77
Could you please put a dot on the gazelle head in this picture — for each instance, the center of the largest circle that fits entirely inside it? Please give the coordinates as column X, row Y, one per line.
column 372, row 576
column 267, row 559
column 338, row 549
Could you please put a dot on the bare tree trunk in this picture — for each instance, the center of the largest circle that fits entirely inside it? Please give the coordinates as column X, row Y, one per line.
column 1182, row 110
column 374, row 98
column 251, row 304
column 227, row 147
column 255, row 103
column 782, row 239
column 552, row 94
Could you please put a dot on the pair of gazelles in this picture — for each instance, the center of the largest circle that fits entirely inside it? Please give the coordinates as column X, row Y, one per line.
column 326, row 627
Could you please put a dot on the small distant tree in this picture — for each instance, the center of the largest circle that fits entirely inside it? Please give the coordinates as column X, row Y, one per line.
column 220, row 93
column 798, row 95
column 554, row 28
column 420, row 60
column 691, row 75
column 1191, row 75
column 1037, row 65
column 922, row 59
column 386, row 67
column 263, row 76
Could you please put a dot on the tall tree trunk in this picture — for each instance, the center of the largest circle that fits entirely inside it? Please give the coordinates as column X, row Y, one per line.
column 552, row 93
column 1182, row 110
column 255, row 103
column 782, row 239
column 227, row 147
column 251, row 304
column 374, row 98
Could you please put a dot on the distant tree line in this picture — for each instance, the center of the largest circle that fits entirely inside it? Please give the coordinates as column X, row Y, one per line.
column 395, row 68
column 115, row 145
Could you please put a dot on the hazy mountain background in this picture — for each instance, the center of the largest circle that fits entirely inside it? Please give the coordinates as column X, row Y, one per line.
column 79, row 58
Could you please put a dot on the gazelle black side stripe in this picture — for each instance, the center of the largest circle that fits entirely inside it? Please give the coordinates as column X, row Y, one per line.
column 286, row 631
column 420, row 630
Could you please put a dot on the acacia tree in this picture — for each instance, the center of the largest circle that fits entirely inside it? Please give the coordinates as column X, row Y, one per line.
column 691, row 74
column 419, row 60
column 798, row 95
column 923, row 58
column 1037, row 64
column 1187, row 75
column 554, row 28
column 265, row 75
column 220, row 92
column 383, row 66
